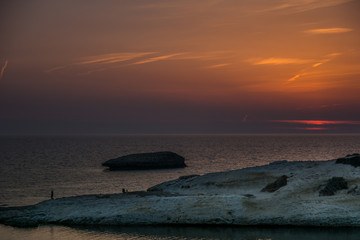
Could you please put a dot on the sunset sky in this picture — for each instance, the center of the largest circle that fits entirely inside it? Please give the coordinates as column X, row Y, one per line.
column 163, row 66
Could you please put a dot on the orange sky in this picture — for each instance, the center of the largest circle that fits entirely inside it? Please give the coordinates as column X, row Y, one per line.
column 205, row 66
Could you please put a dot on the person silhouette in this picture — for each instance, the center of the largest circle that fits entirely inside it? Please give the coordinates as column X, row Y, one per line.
column 52, row 195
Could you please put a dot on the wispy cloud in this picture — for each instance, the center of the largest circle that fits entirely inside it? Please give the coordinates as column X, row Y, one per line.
column 219, row 65
column 326, row 59
column 306, row 71
column 311, row 128
column 101, row 60
column 209, row 55
column 328, row 30
column 154, row 59
column 56, row 68
column 114, row 57
column 291, row 6
column 278, row 61
column 295, row 77
column 324, row 106
column 3, row 69
column 316, row 65
column 204, row 56
column 299, row 61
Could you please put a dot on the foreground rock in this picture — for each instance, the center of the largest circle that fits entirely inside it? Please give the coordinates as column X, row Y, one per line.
column 156, row 160
column 351, row 159
column 233, row 198
column 333, row 185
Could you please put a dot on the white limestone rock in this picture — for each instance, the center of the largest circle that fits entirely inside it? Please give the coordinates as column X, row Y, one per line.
column 233, row 197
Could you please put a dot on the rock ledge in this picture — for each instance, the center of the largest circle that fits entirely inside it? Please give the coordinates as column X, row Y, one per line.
column 143, row 161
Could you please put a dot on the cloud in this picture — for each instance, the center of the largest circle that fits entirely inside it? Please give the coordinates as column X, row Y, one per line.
column 317, row 64
column 101, row 60
column 3, row 69
column 219, row 65
column 114, row 57
column 327, row 58
column 286, row 61
column 295, row 77
column 154, row 59
column 210, row 55
column 92, row 71
column 328, row 30
column 278, row 61
column 202, row 56
column 56, row 68
column 312, row 128
column 291, row 6
column 324, row 106
column 306, row 71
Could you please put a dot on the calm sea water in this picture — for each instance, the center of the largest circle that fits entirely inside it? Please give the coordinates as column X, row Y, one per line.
column 71, row 165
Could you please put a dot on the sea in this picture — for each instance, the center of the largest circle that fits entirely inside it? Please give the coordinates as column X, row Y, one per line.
column 32, row 166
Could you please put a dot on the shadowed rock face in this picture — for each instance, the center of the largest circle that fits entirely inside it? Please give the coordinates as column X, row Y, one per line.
column 143, row 161
column 334, row 184
column 353, row 160
column 272, row 187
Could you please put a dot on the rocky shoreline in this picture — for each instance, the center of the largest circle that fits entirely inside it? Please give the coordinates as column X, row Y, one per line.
column 308, row 193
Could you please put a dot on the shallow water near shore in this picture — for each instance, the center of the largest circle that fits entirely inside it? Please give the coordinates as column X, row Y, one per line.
column 179, row 233
column 71, row 165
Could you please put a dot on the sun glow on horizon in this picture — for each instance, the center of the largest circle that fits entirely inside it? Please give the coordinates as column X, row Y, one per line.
column 316, row 124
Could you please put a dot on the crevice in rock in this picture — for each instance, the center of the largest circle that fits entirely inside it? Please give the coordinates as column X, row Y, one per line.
column 272, row 187
column 333, row 185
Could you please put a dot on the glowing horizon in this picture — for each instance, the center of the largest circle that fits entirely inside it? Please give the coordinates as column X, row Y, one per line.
column 317, row 122
column 315, row 125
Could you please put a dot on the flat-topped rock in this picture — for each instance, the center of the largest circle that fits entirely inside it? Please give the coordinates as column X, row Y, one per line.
column 143, row 161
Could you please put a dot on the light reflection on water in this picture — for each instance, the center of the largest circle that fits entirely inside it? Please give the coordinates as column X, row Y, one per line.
column 178, row 233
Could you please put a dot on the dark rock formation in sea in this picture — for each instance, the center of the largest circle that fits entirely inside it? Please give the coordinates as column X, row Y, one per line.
column 142, row 161
column 352, row 159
